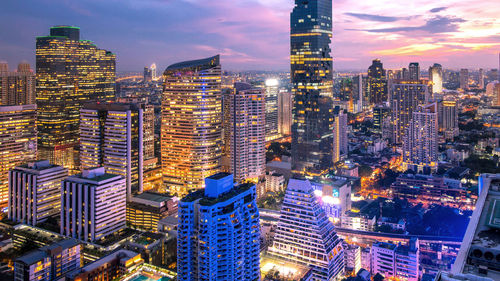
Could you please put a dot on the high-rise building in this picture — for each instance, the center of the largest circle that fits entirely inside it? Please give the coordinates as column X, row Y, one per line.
column 17, row 142
column 380, row 114
column 312, row 86
column 285, row 104
column 50, row 262
column 406, row 97
column 400, row 261
column 448, row 119
column 493, row 90
column 113, row 135
column 340, row 144
column 246, row 131
column 219, row 232
column 414, row 71
column 146, row 209
column 147, row 75
column 154, row 77
column 480, row 78
column 464, row 79
column 17, row 87
column 304, row 234
column 436, row 77
column 361, row 92
column 272, row 87
column 69, row 72
column 35, row 192
column 420, row 143
column 191, row 132
column 93, row 205
column 377, row 82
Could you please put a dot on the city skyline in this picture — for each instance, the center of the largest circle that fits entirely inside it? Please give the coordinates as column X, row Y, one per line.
column 253, row 35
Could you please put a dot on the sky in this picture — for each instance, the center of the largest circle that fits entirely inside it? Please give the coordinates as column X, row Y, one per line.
column 254, row 34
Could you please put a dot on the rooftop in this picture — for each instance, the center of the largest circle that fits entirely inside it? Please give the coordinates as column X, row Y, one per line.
column 200, row 64
column 151, row 196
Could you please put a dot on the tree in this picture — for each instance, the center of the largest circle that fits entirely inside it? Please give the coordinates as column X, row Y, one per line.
column 365, row 171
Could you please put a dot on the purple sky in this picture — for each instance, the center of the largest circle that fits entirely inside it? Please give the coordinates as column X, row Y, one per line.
column 253, row 34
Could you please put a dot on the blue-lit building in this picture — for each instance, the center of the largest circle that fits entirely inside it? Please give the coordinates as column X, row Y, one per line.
column 312, row 85
column 218, row 232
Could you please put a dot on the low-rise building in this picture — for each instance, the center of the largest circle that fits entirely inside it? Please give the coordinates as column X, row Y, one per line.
column 400, row 261
column 358, row 221
column 275, row 182
column 145, row 209
column 352, row 257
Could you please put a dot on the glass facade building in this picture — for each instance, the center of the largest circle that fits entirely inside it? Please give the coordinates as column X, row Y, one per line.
column 191, row 130
column 377, row 83
column 312, row 86
column 69, row 72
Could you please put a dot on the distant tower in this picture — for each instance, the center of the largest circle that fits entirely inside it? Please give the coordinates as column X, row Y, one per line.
column 377, row 83
column 17, row 88
column 272, row 109
column 305, row 235
column 153, row 72
column 480, row 79
column 464, row 79
column 340, row 145
column 448, row 119
column 420, row 145
column 436, row 77
column 219, row 232
column 285, row 103
column 414, row 71
column 191, row 132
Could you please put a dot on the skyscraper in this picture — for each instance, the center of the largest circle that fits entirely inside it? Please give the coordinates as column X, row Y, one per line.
column 305, row 235
column 17, row 88
column 17, row 141
column 448, row 119
column 219, row 232
column 191, row 141
column 420, row 144
column 112, row 135
column 285, row 104
column 406, row 97
column 272, row 86
column 247, row 131
column 93, row 205
column 436, row 77
column 464, row 79
column 35, row 192
column 69, row 72
column 147, row 75
column 414, row 71
column 312, row 82
column 340, row 144
column 480, row 78
column 377, row 82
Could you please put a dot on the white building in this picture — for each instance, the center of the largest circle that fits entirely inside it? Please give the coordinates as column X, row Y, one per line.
column 340, row 143
column 358, row 221
column 352, row 257
column 271, row 102
column 275, row 182
column 391, row 260
column 366, row 259
column 93, row 205
column 35, row 192
column 436, row 77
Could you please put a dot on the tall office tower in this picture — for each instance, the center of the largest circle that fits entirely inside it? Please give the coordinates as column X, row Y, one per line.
column 247, row 132
column 272, row 86
column 406, row 97
column 414, row 71
column 69, row 72
column 93, row 205
column 17, row 142
column 420, row 143
column 285, row 104
column 219, row 232
column 380, row 114
column 464, row 79
column 480, row 78
column 191, row 132
column 51, row 262
column 113, row 135
column 153, row 72
column 400, row 261
column 35, row 192
column 312, row 86
column 448, row 119
column 17, row 87
column 147, row 75
column 340, row 144
column 305, row 235
column 436, row 77
column 493, row 90
column 360, row 89
column 377, row 82
column 476, row 259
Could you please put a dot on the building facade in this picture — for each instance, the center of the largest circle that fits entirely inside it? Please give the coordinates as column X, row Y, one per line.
column 464, row 79
column 340, row 142
column 245, row 131
column 448, row 119
column 17, row 87
column 285, row 104
column 93, row 205
column 436, row 77
column 191, row 130
column 219, row 232
column 35, row 192
column 146, row 209
column 377, row 83
column 112, row 135
column 414, row 71
column 400, row 261
column 17, row 142
column 304, row 234
column 420, row 143
column 272, row 109
column 69, row 72
column 312, row 86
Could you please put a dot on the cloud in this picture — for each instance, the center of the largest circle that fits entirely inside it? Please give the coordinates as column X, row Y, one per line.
column 376, row 17
column 438, row 24
column 437, row 10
